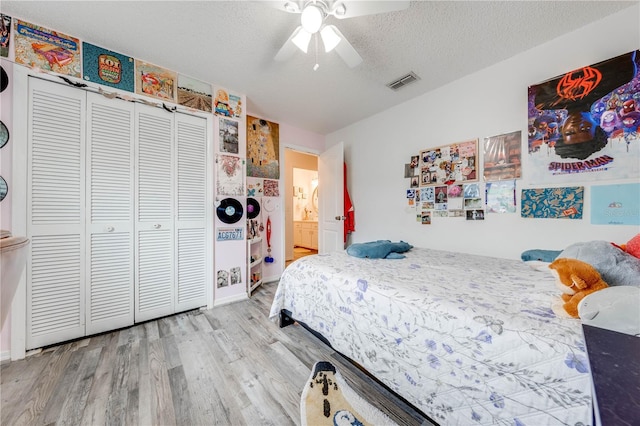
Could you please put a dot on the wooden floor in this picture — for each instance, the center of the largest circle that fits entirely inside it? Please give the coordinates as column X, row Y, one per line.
column 227, row 366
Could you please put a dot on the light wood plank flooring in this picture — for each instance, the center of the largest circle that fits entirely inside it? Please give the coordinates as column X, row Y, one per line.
column 226, row 366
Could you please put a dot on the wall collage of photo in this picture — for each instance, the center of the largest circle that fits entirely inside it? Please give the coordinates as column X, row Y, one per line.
column 246, row 149
column 583, row 126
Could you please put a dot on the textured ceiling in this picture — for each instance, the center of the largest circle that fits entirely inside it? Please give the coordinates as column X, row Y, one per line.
column 232, row 44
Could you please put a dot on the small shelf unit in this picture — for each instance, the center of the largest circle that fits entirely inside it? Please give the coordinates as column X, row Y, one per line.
column 254, row 264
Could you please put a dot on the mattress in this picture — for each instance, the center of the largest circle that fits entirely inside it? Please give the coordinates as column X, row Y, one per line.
column 466, row 339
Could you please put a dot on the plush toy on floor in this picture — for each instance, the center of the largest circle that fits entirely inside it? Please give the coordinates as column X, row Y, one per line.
column 576, row 279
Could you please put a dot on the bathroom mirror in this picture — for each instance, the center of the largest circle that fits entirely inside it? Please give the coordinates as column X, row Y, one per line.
column 314, row 199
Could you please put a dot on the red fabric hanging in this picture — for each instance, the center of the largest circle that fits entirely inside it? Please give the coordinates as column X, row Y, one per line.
column 349, row 214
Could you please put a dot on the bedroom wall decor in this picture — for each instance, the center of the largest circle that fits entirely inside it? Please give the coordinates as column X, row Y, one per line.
column 615, row 204
column 229, row 175
column 584, row 125
column 501, row 196
column 502, row 156
column 227, row 104
column 263, row 148
column 449, row 163
column 228, row 136
column 107, row 67
column 49, row 50
column 194, row 93
column 552, row 203
column 157, row 82
column 5, row 34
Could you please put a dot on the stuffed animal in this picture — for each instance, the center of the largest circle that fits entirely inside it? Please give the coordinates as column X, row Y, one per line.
column 576, row 279
column 381, row 249
column 632, row 247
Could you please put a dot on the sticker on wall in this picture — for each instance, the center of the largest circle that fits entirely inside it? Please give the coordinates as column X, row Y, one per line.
column 229, row 175
column 194, row 93
column 583, row 125
column 263, row 148
column 5, row 34
column 554, row 203
column 615, row 204
column 49, row 50
column 154, row 81
column 228, row 135
column 4, row 134
column 106, row 67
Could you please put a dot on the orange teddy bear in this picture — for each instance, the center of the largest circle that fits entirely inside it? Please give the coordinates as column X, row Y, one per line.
column 576, row 279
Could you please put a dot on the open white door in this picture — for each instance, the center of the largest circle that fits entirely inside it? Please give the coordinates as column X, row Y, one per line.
column 331, row 199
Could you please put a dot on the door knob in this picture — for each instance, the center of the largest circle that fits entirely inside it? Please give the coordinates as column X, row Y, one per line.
column 341, row 217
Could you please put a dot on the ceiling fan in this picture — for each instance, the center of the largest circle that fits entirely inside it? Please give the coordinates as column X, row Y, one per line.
column 312, row 22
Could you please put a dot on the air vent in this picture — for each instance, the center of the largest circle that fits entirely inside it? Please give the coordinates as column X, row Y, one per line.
column 403, row 81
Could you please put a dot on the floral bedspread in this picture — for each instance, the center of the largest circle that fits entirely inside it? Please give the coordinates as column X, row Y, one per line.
column 466, row 339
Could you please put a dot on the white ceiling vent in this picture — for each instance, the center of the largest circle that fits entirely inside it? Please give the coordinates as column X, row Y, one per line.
column 403, row 81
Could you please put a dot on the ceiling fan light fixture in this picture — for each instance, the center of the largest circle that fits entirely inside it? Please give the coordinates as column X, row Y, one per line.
column 311, row 19
column 291, row 7
column 301, row 39
column 329, row 38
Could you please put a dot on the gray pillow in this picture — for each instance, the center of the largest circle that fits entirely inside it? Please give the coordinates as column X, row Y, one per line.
column 615, row 266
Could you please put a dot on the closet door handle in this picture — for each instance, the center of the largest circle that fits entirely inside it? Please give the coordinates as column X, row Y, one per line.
column 110, row 229
column 157, row 226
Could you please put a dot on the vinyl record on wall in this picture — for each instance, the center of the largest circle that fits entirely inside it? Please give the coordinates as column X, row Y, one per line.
column 4, row 79
column 4, row 134
column 4, row 188
column 253, row 208
column 229, row 210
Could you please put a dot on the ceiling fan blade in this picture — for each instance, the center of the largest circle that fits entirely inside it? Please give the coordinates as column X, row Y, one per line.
column 346, row 51
column 291, row 6
column 350, row 9
column 288, row 48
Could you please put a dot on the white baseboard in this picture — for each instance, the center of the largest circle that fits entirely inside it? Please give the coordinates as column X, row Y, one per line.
column 230, row 299
column 5, row 356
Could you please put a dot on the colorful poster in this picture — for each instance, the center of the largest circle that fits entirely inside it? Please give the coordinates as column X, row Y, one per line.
column 263, row 148
column 39, row 47
column 271, row 188
column 194, row 93
column 155, row 81
column 5, row 34
column 449, row 164
column 501, row 196
column 106, row 67
column 584, row 125
column 552, row 203
column 615, row 204
column 229, row 175
column 502, row 156
column 228, row 134
column 227, row 104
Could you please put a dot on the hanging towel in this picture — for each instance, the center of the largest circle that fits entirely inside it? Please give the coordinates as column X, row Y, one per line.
column 350, row 221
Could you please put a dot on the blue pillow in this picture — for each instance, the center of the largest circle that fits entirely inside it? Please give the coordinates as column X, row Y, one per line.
column 381, row 249
column 541, row 255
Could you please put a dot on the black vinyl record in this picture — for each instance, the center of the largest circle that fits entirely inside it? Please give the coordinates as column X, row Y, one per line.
column 253, row 208
column 229, row 210
column 4, row 79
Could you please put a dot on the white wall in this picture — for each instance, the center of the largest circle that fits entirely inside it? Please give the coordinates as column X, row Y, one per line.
column 487, row 103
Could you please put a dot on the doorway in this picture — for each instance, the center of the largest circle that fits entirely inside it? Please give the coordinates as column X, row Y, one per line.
column 301, row 204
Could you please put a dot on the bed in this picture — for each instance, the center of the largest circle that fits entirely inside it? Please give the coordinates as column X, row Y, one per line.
column 465, row 339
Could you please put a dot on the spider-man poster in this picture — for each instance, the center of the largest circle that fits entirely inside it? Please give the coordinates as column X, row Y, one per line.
column 585, row 124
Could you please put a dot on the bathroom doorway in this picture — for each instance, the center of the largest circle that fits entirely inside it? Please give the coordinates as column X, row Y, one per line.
column 301, row 204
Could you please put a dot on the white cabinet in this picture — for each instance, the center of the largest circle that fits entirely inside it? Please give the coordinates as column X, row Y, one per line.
column 305, row 234
column 255, row 260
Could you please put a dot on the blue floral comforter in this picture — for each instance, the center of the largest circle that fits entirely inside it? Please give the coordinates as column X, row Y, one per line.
column 467, row 339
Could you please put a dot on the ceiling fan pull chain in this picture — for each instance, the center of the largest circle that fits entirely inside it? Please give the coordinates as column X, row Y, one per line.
column 316, row 66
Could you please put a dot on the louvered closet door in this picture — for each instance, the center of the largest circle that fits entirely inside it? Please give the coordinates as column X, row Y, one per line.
column 55, row 205
column 191, row 146
column 110, row 144
column 154, row 284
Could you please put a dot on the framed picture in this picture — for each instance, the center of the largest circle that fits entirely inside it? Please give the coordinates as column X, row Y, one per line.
column 448, row 164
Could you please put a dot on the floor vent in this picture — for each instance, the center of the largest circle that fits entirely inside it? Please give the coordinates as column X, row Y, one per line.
column 403, row 81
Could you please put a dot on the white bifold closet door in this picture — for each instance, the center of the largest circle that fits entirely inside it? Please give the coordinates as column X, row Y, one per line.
column 55, row 213
column 110, row 213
